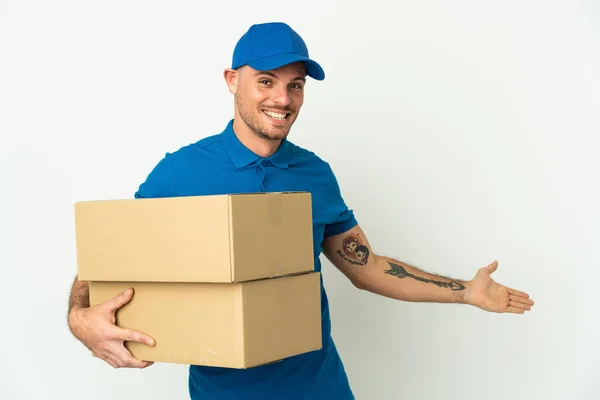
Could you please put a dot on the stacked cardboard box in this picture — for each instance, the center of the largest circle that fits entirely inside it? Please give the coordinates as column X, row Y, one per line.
column 222, row 280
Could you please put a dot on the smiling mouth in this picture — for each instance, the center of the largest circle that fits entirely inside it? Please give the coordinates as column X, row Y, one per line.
column 276, row 115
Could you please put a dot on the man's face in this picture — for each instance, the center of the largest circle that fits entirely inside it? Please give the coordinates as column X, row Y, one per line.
column 269, row 101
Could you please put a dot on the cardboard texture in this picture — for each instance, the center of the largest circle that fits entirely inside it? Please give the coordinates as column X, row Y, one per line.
column 237, row 325
column 220, row 238
column 221, row 280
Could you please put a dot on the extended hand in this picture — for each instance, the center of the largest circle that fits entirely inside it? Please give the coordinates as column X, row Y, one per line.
column 95, row 328
column 485, row 293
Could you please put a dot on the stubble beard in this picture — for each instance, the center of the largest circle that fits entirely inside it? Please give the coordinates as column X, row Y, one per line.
column 253, row 122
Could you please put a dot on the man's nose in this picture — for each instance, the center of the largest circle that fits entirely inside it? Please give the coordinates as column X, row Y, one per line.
column 281, row 96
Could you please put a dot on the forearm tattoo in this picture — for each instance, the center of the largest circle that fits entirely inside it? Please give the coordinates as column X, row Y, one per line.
column 399, row 272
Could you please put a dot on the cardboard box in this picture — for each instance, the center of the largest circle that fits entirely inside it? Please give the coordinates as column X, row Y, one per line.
column 236, row 325
column 220, row 238
column 222, row 280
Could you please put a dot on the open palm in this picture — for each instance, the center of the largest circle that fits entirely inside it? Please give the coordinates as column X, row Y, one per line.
column 491, row 296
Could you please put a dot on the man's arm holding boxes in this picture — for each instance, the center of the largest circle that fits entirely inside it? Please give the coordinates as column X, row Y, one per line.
column 352, row 254
column 95, row 327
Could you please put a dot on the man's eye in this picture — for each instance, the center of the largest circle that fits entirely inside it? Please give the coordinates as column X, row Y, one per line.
column 264, row 81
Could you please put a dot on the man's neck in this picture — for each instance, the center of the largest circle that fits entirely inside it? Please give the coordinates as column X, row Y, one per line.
column 260, row 146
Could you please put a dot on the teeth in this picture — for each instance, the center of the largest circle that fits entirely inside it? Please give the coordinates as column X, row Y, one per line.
column 275, row 115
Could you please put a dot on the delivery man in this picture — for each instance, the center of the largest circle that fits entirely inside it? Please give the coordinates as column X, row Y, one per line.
column 267, row 79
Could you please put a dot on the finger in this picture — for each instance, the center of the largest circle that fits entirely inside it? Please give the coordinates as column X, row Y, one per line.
column 119, row 300
column 148, row 363
column 517, row 293
column 515, row 310
column 492, row 267
column 112, row 361
column 127, row 360
column 520, row 299
column 519, row 305
column 129, row 335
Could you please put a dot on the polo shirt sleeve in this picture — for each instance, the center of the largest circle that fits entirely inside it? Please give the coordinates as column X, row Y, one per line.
column 342, row 218
column 160, row 182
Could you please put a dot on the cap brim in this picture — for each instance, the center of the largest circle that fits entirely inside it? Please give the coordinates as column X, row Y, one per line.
column 313, row 69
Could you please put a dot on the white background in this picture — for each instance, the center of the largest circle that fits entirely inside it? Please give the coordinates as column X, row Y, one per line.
column 461, row 132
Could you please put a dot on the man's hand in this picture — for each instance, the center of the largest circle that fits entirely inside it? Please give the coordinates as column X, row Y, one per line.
column 95, row 328
column 485, row 293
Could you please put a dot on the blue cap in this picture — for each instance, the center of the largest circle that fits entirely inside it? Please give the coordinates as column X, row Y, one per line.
column 272, row 45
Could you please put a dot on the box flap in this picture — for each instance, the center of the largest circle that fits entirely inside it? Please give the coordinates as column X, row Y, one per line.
column 271, row 235
column 182, row 239
column 287, row 307
column 192, row 323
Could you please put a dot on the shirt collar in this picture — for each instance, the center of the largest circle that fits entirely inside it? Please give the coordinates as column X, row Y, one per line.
column 241, row 156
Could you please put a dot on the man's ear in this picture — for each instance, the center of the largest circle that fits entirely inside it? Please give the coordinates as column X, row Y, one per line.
column 231, row 79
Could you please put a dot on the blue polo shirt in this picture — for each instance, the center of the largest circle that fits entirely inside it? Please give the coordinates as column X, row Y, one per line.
column 221, row 164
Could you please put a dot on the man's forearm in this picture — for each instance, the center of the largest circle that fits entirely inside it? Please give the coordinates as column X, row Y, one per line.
column 79, row 297
column 398, row 280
